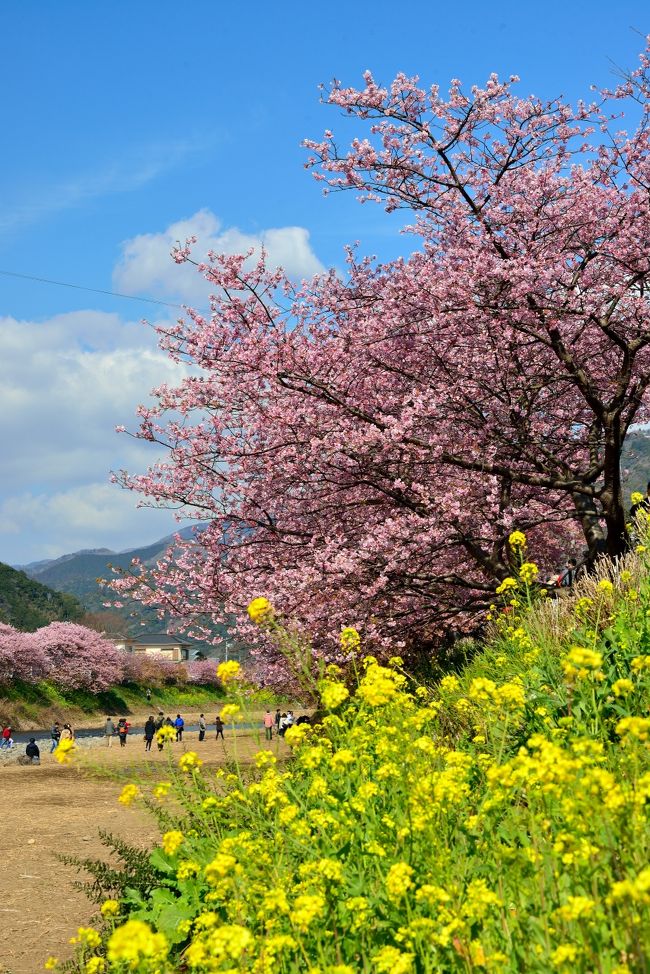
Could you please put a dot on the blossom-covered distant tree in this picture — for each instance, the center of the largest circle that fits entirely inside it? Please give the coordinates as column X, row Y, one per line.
column 19, row 659
column 361, row 447
column 76, row 657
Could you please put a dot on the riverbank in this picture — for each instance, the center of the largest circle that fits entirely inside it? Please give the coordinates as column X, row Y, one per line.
column 27, row 706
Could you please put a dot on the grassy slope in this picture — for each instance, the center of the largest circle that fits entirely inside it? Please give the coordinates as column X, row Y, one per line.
column 25, row 705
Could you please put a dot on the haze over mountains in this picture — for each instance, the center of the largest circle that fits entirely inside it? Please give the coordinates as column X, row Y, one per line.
column 78, row 571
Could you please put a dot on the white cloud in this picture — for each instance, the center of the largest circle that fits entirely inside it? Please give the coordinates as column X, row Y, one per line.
column 146, row 266
column 95, row 515
column 65, row 384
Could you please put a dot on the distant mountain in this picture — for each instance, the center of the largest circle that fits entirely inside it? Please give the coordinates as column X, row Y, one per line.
column 27, row 604
column 78, row 573
column 35, row 567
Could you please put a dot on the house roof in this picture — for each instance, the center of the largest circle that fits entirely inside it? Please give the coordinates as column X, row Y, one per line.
column 157, row 639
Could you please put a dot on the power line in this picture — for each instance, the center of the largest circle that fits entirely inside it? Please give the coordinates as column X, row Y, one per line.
column 95, row 290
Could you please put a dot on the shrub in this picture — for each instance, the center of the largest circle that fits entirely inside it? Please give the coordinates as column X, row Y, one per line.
column 77, row 657
column 20, row 659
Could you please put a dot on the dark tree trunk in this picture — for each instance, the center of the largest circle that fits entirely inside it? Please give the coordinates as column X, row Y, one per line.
column 592, row 528
column 611, row 495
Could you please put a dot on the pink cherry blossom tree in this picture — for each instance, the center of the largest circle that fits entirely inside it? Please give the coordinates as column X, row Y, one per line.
column 19, row 659
column 361, row 447
column 77, row 657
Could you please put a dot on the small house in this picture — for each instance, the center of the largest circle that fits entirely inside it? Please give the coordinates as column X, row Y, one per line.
column 162, row 644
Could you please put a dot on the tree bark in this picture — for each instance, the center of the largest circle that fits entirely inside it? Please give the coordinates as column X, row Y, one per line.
column 611, row 496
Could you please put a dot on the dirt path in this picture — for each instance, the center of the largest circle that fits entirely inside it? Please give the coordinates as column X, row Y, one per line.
column 50, row 809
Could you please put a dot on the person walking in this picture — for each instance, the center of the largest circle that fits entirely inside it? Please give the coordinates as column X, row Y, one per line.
column 219, row 725
column 277, row 719
column 148, row 696
column 269, row 720
column 122, row 730
column 149, row 731
column 179, row 724
column 109, row 731
column 160, row 720
column 202, row 727
column 55, row 735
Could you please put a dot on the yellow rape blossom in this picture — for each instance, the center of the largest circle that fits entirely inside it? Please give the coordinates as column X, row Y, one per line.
column 189, row 761
column 332, row 693
column 399, row 879
column 134, row 942
column 260, row 610
column 165, row 734
column 172, row 841
column 380, row 685
column 307, row 908
column 230, row 713
column 228, row 671
column 350, row 640
column 637, row 727
column 391, row 960
column 528, row 572
column 507, row 585
column 87, row 937
column 128, row 794
column 517, row 540
column 161, row 789
column 110, row 908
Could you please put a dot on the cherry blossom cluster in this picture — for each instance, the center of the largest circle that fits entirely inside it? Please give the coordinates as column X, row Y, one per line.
column 360, row 446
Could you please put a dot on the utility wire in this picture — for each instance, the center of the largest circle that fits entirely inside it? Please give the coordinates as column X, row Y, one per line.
column 95, row 290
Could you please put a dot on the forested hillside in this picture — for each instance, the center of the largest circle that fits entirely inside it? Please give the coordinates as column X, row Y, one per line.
column 28, row 605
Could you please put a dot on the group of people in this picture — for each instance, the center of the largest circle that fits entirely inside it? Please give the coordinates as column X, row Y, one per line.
column 281, row 722
column 153, row 725
column 32, row 753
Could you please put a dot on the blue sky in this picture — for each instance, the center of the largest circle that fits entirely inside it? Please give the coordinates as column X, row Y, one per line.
column 123, row 121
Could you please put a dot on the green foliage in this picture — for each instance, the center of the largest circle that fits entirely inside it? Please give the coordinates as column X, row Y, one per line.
column 27, row 605
column 40, row 703
column 130, row 873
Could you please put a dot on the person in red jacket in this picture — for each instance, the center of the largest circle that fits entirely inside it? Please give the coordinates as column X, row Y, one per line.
column 6, row 737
